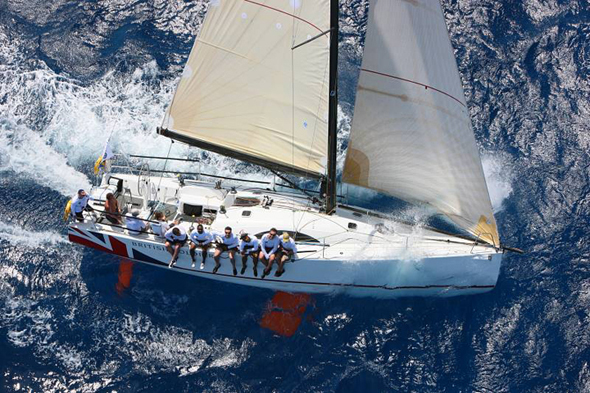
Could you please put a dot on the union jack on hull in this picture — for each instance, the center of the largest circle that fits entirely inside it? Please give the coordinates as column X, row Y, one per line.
column 99, row 241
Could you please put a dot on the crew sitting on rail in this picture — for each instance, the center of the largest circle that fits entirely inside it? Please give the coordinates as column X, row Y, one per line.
column 112, row 210
column 175, row 238
column 161, row 226
column 269, row 245
column 287, row 250
column 227, row 242
column 200, row 239
column 135, row 225
column 80, row 204
column 249, row 246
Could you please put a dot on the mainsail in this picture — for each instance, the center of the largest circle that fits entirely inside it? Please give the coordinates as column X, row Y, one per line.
column 245, row 92
column 411, row 135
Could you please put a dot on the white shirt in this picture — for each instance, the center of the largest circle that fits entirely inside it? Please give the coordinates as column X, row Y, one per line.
column 289, row 245
column 170, row 236
column 251, row 246
column 231, row 241
column 267, row 242
column 160, row 228
column 78, row 204
column 201, row 239
column 134, row 226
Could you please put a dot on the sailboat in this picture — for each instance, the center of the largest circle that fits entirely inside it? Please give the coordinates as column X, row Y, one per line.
column 261, row 85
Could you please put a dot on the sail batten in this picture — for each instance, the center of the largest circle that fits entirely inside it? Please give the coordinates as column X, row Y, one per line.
column 411, row 133
column 247, row 93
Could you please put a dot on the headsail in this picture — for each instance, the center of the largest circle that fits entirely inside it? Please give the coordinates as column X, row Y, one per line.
column 411, row 135
column 246, row 93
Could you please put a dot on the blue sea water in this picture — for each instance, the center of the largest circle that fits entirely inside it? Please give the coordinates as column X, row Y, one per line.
column 70, row 72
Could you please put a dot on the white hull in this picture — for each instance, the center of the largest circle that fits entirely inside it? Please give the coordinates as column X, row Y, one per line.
column 357, row 262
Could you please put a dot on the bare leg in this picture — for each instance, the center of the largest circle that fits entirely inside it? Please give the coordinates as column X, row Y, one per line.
column 191, row 250
column 262, row 259
column 204, row 248
column 232, row 260
column 282, row 261
column 169, row 248
column 244, row 262
column 216, row 258
column 177, row 248
column 175, row 254
column 255, row 262
column 271, row 259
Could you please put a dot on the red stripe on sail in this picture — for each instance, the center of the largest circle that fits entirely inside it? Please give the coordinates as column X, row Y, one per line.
column 284, row 12
column 414, row 82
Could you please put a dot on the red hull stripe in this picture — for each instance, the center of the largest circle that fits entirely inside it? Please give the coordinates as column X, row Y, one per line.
column 88, row 243
column 284, row 12
column 79, row 231
column 119, row 248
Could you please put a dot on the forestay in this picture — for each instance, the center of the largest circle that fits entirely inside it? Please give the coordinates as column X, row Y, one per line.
column 246, row 93
column 411, row 136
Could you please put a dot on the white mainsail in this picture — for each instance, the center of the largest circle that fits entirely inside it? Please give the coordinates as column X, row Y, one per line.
column 246, row 93
column 411, row 135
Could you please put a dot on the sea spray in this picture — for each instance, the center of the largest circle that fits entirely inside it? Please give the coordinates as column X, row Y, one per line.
column 25, row 153
column 19, row 236
column 499, row 177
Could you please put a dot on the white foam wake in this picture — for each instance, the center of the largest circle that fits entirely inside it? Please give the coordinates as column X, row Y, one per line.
column 18, row 236
column 499, row 178
column 25, row 153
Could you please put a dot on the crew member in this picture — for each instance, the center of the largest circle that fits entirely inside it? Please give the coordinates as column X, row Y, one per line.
column 228, row 242
column 287, row 250
column 200, row 239
column 134, row 224
column 161, row 227
column 175, row 238
column 80, row 204
column 269, row 245
column 249, row 246
column 111, row 207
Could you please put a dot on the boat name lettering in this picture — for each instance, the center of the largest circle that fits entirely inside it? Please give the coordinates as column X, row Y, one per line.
column 155, row 247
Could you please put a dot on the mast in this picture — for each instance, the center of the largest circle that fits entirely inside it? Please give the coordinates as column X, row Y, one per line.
column 332, row 109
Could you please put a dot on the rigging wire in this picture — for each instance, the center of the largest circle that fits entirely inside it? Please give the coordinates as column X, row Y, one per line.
column 165, row 163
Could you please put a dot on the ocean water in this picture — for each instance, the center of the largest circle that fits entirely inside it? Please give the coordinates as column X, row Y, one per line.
column 72, row 72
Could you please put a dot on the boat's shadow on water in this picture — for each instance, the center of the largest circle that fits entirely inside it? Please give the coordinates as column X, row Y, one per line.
column 163, row 295
column 205, row 305
column 358, row 341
